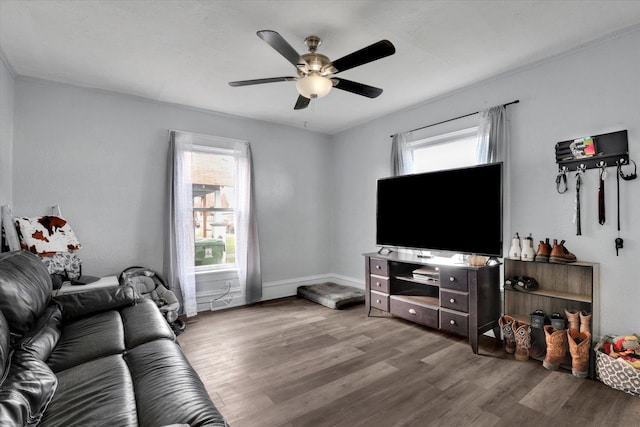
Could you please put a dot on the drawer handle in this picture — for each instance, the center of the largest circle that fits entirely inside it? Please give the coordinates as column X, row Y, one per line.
column 412, row 311
column 452, row 279
column 378, row 284
column 452, row 322
column 378, row 267
column 378, row 301
column 451, row 300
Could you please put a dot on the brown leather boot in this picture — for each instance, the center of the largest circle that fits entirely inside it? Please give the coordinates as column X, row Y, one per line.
column 573, row 319
column 556, row 347
column 585, row 321
column 523, row 340
column 507, row 325
column 560, row 254
column 543, row 252
column 579, row 345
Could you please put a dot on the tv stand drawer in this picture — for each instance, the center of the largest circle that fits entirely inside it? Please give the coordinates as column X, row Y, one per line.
column 380, row 284
column 454, row 300
column 379, row 300
column 413, row 309
column 379, row 267
column 455, row 322
column 454, row 278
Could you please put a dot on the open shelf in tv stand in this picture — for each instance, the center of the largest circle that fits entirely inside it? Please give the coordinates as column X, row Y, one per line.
column 461, row 299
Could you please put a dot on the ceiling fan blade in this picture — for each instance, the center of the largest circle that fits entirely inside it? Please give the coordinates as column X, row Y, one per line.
column 365, row 55
column 260, row 81
column 276, row 41
column 357, row 88
column 302, row 103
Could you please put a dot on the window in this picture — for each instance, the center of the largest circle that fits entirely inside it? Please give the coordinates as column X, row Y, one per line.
column 213, row 180
column 447, row 151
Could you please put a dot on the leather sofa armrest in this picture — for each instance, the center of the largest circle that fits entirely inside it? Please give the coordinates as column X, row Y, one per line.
column 95, row 301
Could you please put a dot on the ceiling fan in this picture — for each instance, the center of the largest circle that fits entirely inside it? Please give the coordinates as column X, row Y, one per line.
column 316, row 72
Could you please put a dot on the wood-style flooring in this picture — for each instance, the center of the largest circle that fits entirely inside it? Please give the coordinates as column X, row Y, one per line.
column 291, row 362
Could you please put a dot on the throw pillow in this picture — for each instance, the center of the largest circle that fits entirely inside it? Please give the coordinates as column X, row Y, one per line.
column 46, row 235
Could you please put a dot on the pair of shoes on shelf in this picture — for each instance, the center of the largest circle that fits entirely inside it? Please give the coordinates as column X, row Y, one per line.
column 526, row 284
column 578, row 320
column 539, row 319
column 558, row 253
column 521, row 283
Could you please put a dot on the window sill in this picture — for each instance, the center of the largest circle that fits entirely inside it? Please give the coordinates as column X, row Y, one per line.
column 218, row 272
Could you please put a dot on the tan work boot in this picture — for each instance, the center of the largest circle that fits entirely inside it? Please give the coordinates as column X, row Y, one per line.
column 556, row 347
column 523, row 340
column 543, row 252
column 507, row 325
column 573, row 319
column 585, row 321
column 560, row 254
column 579, row 345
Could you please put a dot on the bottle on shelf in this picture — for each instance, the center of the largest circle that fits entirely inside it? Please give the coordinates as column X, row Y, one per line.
column 528, row 253
column 515, row 252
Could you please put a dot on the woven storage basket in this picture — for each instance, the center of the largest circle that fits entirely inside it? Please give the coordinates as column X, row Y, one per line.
column 616, row 373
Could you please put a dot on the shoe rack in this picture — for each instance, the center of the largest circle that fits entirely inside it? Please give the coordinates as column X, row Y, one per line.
column 573, row 286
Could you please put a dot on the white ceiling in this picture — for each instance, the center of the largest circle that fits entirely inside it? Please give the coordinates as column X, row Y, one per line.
column 186, row 52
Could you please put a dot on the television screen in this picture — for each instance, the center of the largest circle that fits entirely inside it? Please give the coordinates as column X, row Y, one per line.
column 457, row 210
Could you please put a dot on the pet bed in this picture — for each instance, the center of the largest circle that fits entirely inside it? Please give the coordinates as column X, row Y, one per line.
column 332, row 295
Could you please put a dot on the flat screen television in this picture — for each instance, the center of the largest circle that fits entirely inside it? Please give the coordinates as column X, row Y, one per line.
column 453, row 210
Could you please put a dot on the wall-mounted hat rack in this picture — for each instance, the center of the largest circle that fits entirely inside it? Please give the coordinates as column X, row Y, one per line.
column 591, row 152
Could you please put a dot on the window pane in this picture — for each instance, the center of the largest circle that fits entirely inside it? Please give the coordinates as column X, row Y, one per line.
column 213, row 213
column 454, row 153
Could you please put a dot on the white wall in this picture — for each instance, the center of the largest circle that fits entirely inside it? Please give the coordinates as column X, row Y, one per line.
column 7, row 85
column 102, row 157
column 591, row 91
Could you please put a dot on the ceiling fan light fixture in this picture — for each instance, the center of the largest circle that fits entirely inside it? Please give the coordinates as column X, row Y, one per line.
column 313, row 85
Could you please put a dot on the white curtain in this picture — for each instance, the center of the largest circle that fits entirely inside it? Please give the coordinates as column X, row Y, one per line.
column 492, row 135
column 493, row 146
column 247, row 245
column 179, row 250
column 401, row 155
column 179, row 262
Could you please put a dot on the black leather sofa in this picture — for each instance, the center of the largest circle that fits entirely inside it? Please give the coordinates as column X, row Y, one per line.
column 102, row 357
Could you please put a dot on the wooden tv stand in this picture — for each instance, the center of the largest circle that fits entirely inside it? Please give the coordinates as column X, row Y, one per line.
column 444, row 295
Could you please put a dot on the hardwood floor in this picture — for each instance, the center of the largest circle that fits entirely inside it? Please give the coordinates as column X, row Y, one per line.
column 291, row 362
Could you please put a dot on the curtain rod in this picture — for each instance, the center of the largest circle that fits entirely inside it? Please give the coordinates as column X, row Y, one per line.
column 456, row 118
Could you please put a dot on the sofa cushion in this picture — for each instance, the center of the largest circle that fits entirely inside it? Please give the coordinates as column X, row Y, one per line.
column 143, row 323
column 43, row 337
column 25, row 289
column 46, row 235
column 173, row 392
column 96, row 393
column 26, row 391
column 86, row 339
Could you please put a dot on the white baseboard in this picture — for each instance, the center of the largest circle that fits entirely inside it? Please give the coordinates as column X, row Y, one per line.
column 287, row 288
column 215, row 297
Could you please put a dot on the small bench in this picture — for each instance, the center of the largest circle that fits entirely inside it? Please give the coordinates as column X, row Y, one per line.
column 332, row 295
